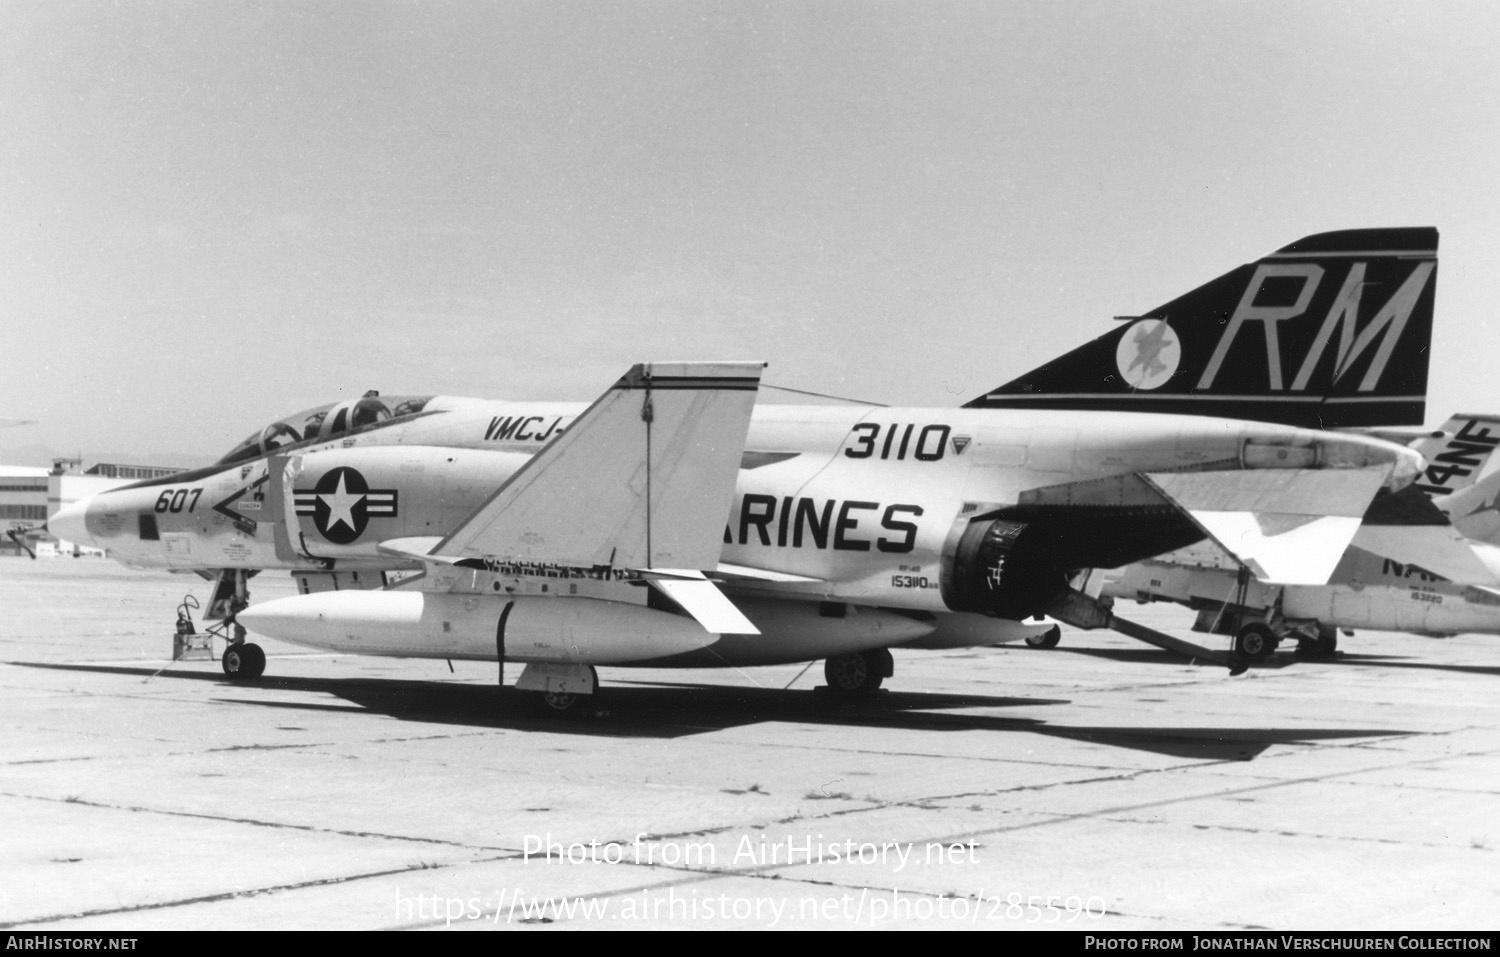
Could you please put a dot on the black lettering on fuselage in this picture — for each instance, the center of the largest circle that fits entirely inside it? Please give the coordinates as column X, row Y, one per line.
column 501, row 429
column 888, row 521
column 897, row 446
column 519, row 428
column 846, row 524
column 807, row 522
column 1400, row 570
column 815, row 522
column 757, row 510
column 522, row 431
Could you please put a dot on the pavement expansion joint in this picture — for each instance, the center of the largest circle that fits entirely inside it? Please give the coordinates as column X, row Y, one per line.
column 223, row 818
column 224, row 896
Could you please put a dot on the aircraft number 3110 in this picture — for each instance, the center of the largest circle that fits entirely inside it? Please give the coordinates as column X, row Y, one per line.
column 928, row 446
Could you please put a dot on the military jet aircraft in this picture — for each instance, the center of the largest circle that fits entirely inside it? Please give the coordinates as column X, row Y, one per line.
column 850, row 530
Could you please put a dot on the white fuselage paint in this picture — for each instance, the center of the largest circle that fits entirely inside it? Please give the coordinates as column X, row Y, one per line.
column 842, row 455
column 860, row 499
column 1366, row 592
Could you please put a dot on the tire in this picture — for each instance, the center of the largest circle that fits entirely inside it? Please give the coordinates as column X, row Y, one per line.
column 1255, row 641
column 244, row 661
column 1047, row 639
column 1320, row 648
column 255, row 660
column 853, row 675
column 561, row 702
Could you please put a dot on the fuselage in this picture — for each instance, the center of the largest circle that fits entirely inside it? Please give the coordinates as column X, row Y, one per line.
column 1367, row 591
column 863, row 502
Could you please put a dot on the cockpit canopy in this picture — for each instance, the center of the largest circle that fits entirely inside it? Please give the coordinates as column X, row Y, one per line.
column 326, row 421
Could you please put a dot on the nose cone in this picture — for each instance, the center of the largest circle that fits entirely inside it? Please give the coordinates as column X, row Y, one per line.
column 69, row 523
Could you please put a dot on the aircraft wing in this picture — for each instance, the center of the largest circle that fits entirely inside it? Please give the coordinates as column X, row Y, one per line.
column 732, row 572
column 641, row 481
column 1289, row 526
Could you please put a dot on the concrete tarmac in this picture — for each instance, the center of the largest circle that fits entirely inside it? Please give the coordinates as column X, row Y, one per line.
column 1103, row 785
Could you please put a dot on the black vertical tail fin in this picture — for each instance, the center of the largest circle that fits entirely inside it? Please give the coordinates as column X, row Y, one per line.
column 1331, row 331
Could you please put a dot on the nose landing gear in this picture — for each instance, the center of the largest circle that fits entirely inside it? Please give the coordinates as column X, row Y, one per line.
column 244, row 661
column 241, row 660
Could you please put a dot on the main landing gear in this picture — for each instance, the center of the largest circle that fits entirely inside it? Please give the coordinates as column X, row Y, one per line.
column 1259, row 640
column 1320, row 648
column 1256, row 641
column 561, row 690
column 561, row 702
column 860, row 673
column 1047, row 639
column 567, row 690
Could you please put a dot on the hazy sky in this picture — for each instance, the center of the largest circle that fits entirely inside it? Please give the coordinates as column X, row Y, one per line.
column 216, row 213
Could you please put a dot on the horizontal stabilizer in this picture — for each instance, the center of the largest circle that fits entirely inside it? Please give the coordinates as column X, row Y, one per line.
column 702, row 599
column 1440, row 550
column 1489, row 556
column 1475, row 511
column 1407, row 527
column 1288, row 526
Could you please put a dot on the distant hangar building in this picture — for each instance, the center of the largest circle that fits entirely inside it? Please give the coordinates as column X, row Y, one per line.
column 28, row 495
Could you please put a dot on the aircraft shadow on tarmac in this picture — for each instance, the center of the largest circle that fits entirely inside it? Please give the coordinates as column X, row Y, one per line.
column 1155, row 656
column 1400, row 661
column 657, row 710
column 1277, row 661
